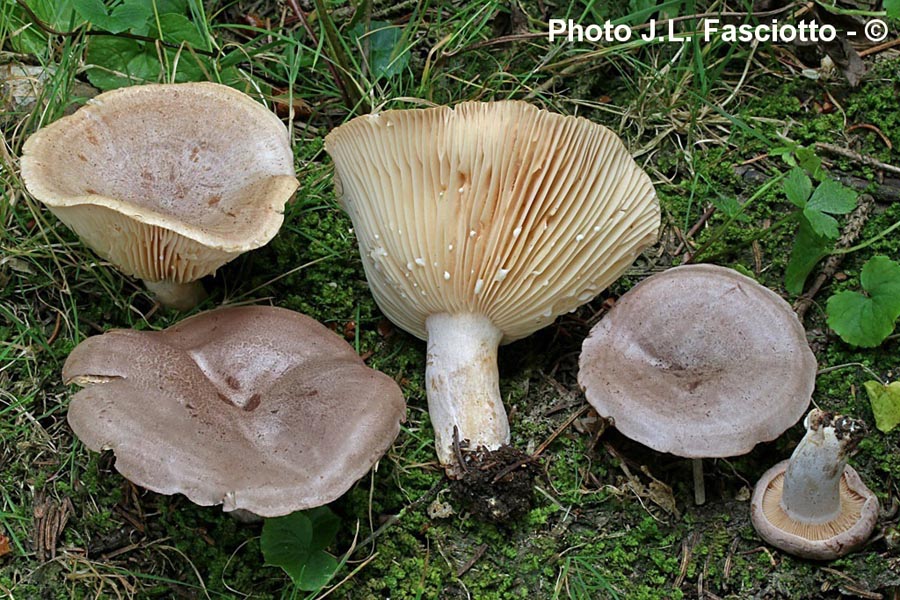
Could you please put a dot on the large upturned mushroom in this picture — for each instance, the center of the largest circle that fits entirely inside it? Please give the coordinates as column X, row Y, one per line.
column 257, row 408
column 701, row 362
column 478, row 225
column 167, row 182
column 815, row 505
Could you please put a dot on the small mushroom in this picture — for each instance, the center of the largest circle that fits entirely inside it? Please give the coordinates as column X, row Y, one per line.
column 699, row 361
column 814, row 505
column 256, row 408
column 167, row 182
column 478, row 225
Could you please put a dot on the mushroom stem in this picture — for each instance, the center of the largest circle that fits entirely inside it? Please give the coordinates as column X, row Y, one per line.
column 699, row 486
column 178, row 296
column 812, row 481
column 463, row 385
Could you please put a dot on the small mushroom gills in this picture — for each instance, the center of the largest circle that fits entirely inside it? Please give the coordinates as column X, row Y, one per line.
column 701, row 362
column 259, row 409
column 168, row 182
column 814, row 505
column 478, row 225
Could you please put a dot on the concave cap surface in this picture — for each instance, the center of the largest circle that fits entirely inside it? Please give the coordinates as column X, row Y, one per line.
column 500, row 209
column 168, row 181
column 818, row 541
column 256, row 408
column 699, row 361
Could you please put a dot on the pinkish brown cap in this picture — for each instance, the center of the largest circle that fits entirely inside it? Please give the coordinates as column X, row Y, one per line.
column 699, row 361
column 168, row 182
column 255, row 408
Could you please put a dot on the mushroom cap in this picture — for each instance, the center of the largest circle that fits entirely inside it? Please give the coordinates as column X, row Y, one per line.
column 256, row 408
column 818, row 541
column 495, row 208
column 699, row 361
column 168, row 181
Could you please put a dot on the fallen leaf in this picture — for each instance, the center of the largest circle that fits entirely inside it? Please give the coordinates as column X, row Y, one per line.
column 4, row 546
column 885, row 401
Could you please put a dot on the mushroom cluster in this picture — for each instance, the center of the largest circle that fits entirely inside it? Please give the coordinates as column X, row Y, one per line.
column 256, row 408
column 478, row 225
column 168, row 182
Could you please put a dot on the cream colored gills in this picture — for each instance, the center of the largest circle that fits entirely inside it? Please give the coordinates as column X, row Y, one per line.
column 478, row 225
column 167, row 182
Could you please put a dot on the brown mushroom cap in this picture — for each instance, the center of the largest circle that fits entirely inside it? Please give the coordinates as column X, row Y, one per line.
column 699, row 361
column 818, row 541
column 168, row 182
column 256, row 408
column 492, row 208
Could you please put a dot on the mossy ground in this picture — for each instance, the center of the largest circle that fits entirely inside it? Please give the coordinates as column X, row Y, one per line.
column 612, row 519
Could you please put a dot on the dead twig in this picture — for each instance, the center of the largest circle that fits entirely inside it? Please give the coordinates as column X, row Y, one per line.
column 479, row 552
column 857, row 157
column 872, row 128
column 879, row 48
column 709, row 212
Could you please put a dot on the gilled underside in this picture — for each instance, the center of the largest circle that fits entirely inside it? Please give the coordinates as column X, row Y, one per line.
column 851, row 511
column 156, row 175
column 497, row 209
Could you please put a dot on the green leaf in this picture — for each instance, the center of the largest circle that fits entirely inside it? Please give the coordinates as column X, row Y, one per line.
column 297, row 543
column 885, row 400
column 832, row 197
column 829, row 197
column 118, row 62
column 809, row 162
column 881, row 278
column 866, row 320
column 24, row 36
column 129, row 15
column 892, row 8
column 178, row 29
column 325, row 525
column 387, row 56
column 857, row 319
column 171, row 6
column 809, row 248
column 320, row 568
column 797, row 187
column 95, row 13
column 730, row 207
column 133, row 15
column 822, row 224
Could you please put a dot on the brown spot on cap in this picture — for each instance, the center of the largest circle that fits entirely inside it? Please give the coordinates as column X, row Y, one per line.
column 154, row 398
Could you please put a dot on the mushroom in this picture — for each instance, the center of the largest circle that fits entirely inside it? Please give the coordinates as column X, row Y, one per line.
column 257, row 408
column 167, row 182
column 701, row 362
column 815, row 505
column 478, row 225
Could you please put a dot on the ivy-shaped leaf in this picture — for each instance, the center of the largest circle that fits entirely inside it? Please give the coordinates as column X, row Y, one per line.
column 818, row 229
column 118, row 62
column 797, row 187
column 297, row 543
column 867, row 319
column 885, row 400
column 129, row 15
